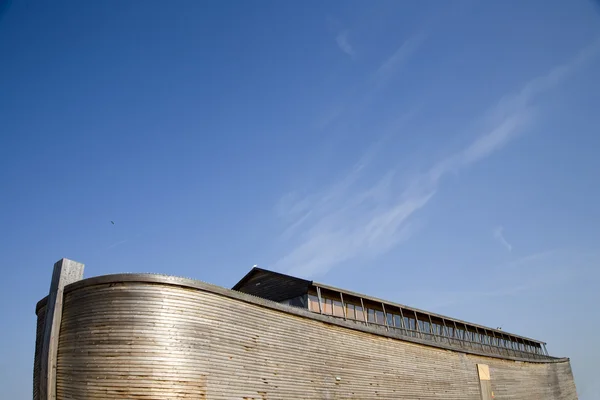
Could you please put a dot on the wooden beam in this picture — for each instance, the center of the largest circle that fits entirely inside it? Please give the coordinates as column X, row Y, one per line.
column 65, row 272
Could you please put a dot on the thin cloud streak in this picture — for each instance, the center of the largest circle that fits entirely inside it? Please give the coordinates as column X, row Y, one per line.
column 116, row 244
column 499, row 236
column 355, row 218
column 537, row 271
column 365, row 93
column 531, row 259
column 400, row 57
column 342, row 41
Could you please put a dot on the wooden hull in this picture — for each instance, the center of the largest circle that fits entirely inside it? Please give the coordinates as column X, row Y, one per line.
column 157, row 337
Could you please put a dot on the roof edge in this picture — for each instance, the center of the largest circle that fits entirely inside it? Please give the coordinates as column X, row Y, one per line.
column 254, row 270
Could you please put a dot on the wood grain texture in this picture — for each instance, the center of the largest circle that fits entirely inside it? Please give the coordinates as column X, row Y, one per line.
column 143, row 340
column 37, row 360
column 65, row 272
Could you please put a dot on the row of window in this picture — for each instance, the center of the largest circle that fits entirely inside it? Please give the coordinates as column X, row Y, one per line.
column 414, row 327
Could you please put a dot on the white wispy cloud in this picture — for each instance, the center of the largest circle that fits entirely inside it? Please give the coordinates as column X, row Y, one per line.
column 116, row 244
column 536, row 271
column 499, row 236
column 360, row 217
column 342, row 41
column 364, row 93
column 402, row 54
column 532, row 259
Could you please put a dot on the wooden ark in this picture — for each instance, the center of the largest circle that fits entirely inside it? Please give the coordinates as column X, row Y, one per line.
column 144, row 336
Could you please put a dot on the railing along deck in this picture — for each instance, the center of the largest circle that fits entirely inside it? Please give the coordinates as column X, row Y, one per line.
column 421, row 324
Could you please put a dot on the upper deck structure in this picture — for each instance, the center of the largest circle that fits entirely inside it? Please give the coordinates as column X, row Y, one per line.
column 397, row 318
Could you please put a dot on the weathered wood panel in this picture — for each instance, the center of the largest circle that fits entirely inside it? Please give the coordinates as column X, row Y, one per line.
column 65, row 272
column 39, row 340
column 136, row 340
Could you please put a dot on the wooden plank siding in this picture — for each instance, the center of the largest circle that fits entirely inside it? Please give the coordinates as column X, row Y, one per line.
column 39, row 339
column 152, row 337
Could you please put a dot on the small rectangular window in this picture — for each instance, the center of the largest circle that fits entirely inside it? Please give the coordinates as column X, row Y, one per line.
column 390, row 319
column 337, row 309
column 313, row 303
column 371, row 315
column 327, row 306
column 397, row 321
column 360, row 316
column 350, row 311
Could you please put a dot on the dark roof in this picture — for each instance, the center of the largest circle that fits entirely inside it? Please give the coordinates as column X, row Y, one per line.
column 272, row 285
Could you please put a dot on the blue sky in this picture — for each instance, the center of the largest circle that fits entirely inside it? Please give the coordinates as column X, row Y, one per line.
column 439, row 154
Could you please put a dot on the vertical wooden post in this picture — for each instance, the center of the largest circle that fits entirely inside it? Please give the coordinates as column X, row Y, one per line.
column 402, row 324
column 460, row 341
column 385, row 317
column 496, row 343
column 65, row 272
column 447, row 332
column 343, row 306
column 417, row 325
column 488, row 338
column 433, row 335
column 468, row 337
column 320, row 300
column 479, row 338
column 362, row 304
